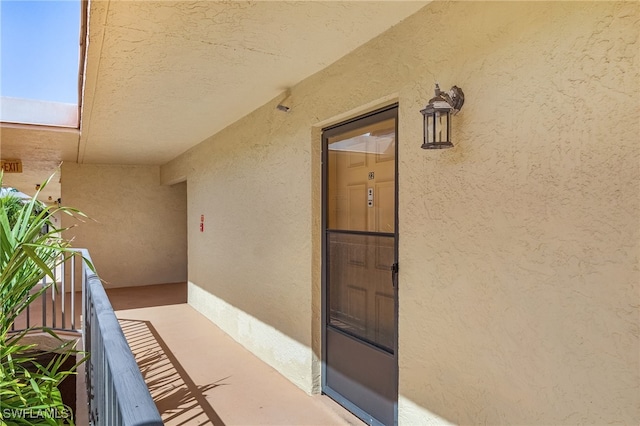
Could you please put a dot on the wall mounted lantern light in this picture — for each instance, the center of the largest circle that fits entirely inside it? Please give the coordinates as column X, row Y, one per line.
column 437, row 117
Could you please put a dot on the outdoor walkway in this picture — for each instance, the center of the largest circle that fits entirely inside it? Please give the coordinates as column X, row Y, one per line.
column 198, row 375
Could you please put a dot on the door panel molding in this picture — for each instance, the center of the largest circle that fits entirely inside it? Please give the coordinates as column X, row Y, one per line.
column 356, row 206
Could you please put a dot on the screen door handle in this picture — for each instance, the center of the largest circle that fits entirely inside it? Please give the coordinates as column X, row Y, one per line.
column 394, row 274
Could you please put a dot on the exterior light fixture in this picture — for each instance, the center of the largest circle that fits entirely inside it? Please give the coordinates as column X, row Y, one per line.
column 437, row 117
column 285, row 104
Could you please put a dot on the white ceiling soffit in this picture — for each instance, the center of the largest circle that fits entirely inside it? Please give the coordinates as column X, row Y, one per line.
column 41, row 150
column 163, row 76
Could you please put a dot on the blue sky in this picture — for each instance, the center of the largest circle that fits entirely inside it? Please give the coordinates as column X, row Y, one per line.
column 39, row 44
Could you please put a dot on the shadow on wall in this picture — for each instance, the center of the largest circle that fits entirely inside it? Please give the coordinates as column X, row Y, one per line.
column 178, row 399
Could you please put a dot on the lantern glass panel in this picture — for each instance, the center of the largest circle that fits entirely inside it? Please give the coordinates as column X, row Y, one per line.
column 430, row 128
column 442, row 126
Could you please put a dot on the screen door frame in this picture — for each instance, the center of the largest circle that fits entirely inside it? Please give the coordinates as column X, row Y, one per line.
column 378, row 115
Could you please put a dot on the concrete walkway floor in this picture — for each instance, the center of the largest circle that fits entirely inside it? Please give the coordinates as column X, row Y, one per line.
column 198, row 375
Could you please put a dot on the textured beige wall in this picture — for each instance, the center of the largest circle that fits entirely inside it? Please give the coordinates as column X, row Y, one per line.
column 519, row 297
column 138, row 232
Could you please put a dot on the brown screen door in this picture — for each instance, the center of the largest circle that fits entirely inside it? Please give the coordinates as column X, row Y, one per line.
column 360, row 265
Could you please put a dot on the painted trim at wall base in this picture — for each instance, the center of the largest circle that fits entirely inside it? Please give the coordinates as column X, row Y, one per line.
column 289, row 357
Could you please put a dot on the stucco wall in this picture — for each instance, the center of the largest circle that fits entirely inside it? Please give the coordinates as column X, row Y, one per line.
column 137, row 232
column 519, row 297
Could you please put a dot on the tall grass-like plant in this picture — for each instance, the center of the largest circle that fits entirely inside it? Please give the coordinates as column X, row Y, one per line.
column 12, row 206
column 31, row 248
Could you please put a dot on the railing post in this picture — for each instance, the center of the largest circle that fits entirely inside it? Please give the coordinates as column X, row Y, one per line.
column 44, row 303
column 63, row 297
column 28, row 316
column 73, row 291
column 53, row 297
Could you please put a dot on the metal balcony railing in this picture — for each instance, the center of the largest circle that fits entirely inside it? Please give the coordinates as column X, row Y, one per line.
column 118, row 395
column 117, row 392
column 58, row 307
